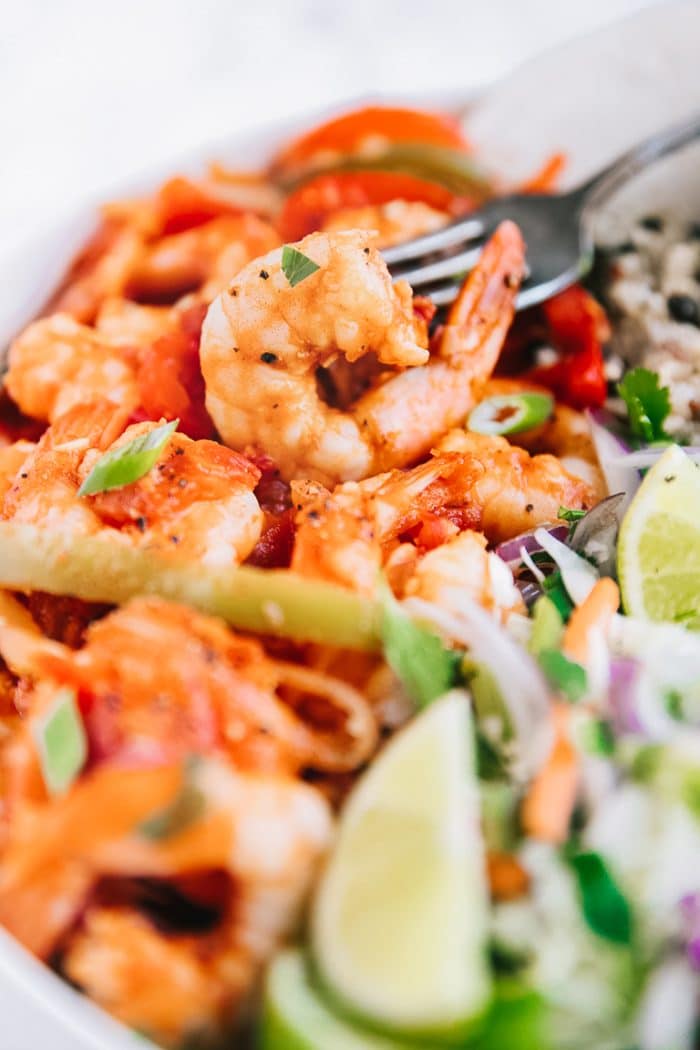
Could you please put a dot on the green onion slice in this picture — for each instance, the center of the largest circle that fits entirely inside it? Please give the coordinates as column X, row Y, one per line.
column 510, row 413
column 61, row 741
column 185, row 809
column 296, row 266
column 566, row 675
column 416, row 655
column 129, row 462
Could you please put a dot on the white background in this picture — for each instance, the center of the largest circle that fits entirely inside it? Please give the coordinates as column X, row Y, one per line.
column 91, row 90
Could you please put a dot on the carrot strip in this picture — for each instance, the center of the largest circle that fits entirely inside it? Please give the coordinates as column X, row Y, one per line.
column 547, row 178
column 547, row 807
column 508, row 880
column 596, row 611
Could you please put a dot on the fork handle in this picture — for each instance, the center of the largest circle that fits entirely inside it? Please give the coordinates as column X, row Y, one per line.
column 598, row 188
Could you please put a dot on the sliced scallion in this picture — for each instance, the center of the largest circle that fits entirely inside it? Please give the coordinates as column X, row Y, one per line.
column 61, row 741
column 126, row 464
column 510, row 413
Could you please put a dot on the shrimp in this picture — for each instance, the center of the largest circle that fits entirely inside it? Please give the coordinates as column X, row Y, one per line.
column 472, row 481
column 395, row 221
column 197, row 501
column 202, row 259
column 57, row 363
column 465, row 563
column 264, row 343
column 252, row 841
column 515, row 491
column 215, row 691
column 566, row 435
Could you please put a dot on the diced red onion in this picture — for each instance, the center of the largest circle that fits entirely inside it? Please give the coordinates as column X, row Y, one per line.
column 624, row 678
column 690, row 910
column 510, row 550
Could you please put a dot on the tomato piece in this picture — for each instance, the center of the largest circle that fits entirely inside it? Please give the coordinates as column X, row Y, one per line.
column 346, row 133
column 576, row 325
column 170, row 379
column 182, row 205
column 307, row 207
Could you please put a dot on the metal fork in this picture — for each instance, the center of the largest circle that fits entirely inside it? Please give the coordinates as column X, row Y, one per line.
column 556, row 229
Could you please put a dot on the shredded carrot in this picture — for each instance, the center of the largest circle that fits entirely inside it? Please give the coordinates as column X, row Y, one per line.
column 596, row 611
column 547, row 807
column 547, row 178
column 508, row 879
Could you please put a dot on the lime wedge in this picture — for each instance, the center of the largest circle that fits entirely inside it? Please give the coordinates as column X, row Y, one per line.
column 295, row 1017
column 399, row 920
column 658, row 557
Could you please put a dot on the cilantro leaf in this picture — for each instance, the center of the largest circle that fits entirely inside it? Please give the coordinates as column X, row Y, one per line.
column 296, row 266
column 648, row 404
column 570, row 514
column 426, row 668
column 565, row 675
column 129, row 462
column 605, row 907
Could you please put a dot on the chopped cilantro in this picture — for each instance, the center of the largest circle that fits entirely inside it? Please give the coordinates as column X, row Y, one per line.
column 296, row 266
column 648, row 404
column 570, row 514
column 598, row 738
column 553, row 586
column 565, row 675
column 426, row 668
column 605, row 907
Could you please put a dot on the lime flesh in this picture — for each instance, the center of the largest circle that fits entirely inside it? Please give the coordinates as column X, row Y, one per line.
column 659, row 544
column 399, row 920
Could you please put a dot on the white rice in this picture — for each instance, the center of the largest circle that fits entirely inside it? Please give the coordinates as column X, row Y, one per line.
column 643, row 275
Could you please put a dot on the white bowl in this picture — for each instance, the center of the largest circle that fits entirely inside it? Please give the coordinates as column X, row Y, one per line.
column 592, row 98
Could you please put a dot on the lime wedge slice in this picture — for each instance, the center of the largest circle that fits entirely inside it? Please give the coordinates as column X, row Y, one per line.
column 399, row 921
column 295, row 1017
column 658, row 557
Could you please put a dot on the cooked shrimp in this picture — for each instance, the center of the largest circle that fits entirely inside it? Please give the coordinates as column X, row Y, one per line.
column 133, row 324
column 201, row 259
column 567, row 435
column 263, row 342
column 198, row 500
column 463, row 562
column 266, row 833
column 57, row 363
column 393, row 222
column 515, row 491
column 346, row 535
column 213, row 691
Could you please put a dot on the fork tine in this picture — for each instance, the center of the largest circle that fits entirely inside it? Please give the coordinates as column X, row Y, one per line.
column 452, row 266
column 447, row 237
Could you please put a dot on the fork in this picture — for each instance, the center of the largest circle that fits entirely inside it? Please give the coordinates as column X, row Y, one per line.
column 556, row 228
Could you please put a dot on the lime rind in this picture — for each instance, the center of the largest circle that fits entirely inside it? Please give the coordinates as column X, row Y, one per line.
column 399, row 921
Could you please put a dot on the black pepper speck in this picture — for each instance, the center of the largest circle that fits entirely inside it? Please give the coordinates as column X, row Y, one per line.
column 268, row 358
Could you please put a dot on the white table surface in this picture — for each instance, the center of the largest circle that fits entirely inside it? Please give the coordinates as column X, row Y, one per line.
column 92, row 90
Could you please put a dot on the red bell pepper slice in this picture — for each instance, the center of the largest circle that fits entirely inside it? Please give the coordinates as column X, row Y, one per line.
column 346, row 133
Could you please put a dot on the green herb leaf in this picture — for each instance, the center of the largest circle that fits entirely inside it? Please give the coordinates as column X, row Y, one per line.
column 553, row 586
column 296, row 266
column 605, row 907
column 426, row 668
column 570, row 514
column 565, row 675
column 61, row 742
column 648, row 404
column 129, row 462
column 187, row 806
column 547, row 625
column 598, row 737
